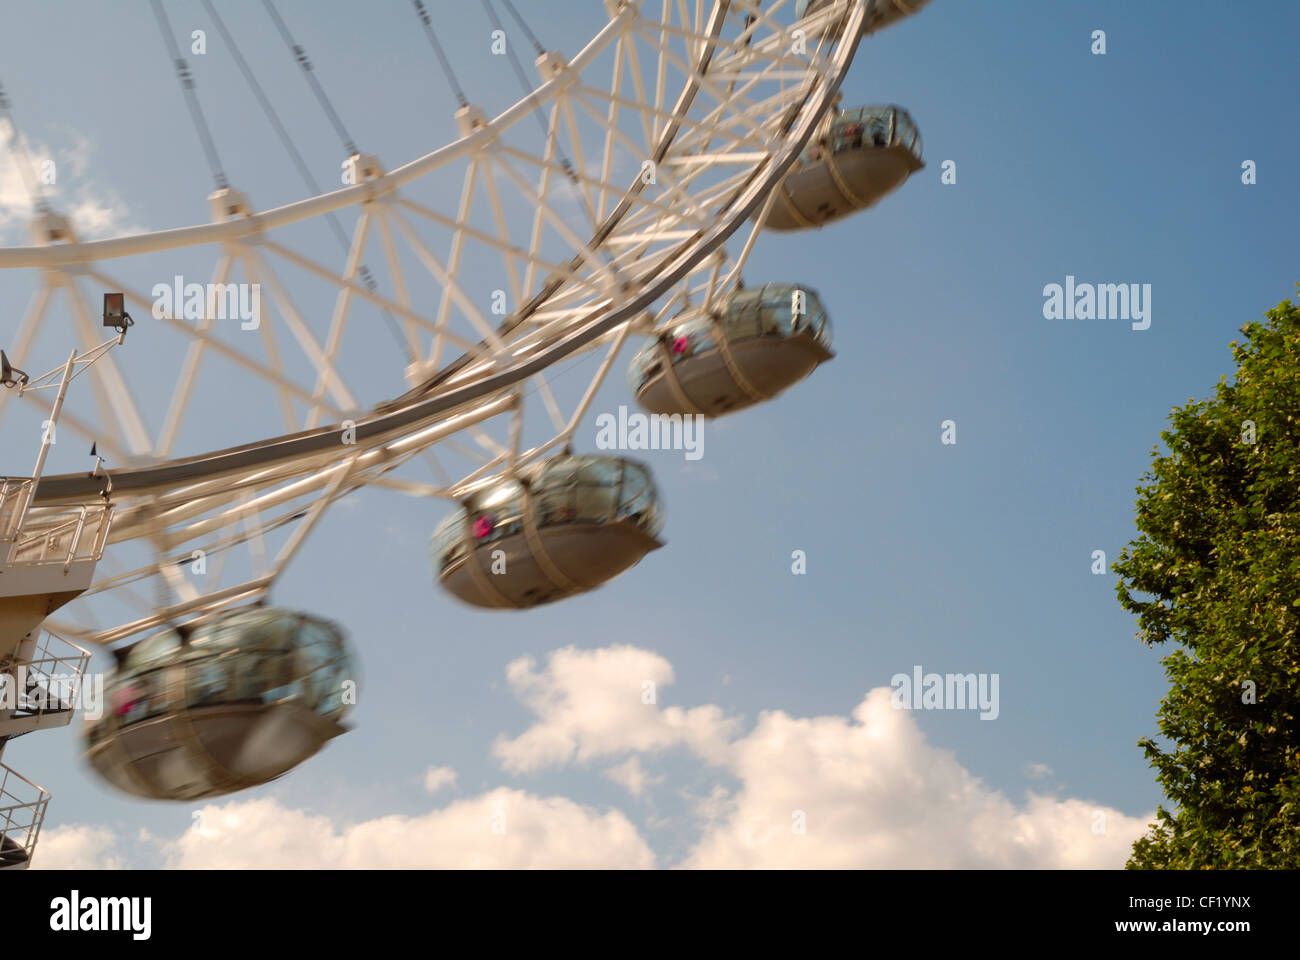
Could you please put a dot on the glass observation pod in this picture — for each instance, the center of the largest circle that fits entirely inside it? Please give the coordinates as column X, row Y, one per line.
column 231, row 703
column 759, row 343
column 880, row 14
column 861, row 156
column 574, row 523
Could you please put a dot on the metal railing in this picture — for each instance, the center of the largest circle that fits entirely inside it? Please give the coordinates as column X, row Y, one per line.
column 50, row 682
column 53, row 535
column 14, row 497
column 22, row 810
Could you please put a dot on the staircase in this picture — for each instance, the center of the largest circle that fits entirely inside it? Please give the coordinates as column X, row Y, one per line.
column 41, row 691
column 12, row 856
column 22, row 811
column 47, row 558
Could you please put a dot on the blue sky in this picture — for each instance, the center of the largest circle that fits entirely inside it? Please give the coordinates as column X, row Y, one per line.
column 973, row 557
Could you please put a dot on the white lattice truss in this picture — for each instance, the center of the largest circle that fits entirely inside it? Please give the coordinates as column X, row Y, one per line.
column 713, row 100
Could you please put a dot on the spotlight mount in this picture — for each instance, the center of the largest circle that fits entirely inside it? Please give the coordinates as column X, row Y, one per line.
column 115, row 315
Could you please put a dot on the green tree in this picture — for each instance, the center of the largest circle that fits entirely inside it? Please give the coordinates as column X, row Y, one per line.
column 1216, row 570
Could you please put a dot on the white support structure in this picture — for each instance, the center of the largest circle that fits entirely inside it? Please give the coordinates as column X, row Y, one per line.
column 606, row 225
column 48, row 555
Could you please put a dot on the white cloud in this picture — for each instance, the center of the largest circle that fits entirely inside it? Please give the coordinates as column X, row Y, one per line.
column 76, row 847
column 502, row 828
column 631, row 776
column 592, row 704
column 93, row 210
column 868, row 789
column 873, row 793
column 865, row 790
column 438, row 777
column 1037, row 771
column 96, row 215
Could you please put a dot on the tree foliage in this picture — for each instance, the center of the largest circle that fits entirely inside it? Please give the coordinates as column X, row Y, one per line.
column 1216, row 571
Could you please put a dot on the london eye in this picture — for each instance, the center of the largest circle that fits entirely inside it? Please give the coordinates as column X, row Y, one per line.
column 610, row 210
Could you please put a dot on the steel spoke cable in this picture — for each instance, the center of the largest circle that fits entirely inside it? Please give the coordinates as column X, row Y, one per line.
column 442, row 56
column 300, row 56
column 532, row 37
column 452, row 81
column 186, row 79
column 528, row 88
column 367, row 278
column 531, row 95
column 273, row 117
column 551, row 286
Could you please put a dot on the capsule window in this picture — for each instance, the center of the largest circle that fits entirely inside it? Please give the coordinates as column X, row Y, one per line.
column 865, row 127
column 497, row 513
column 690, row 338
column 99, row 731
column 743, row 317
column 595, row 504
column 245, row 683
column 820, row 325
column 652, row 520
column 638, row 499
column 259, row 657
column 449, row 539
column 605, row 472
column 208, row 680
column 267, row 677
column 324, row 667
column 554, row 503
column 596, row 493
column 316, row 656
column 142, row 696
column 636, row 496
column 777, row 320
column 158, row 648
column 777, row 314
column 645, row 367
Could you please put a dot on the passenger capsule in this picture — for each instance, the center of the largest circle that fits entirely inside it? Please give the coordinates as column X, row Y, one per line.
column 574, row 523
column 881, row 14
column 231, row 703
column 759, row 343
column 862, row 155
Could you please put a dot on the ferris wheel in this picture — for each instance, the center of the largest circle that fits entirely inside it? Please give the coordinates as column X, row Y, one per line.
column 439, row 328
